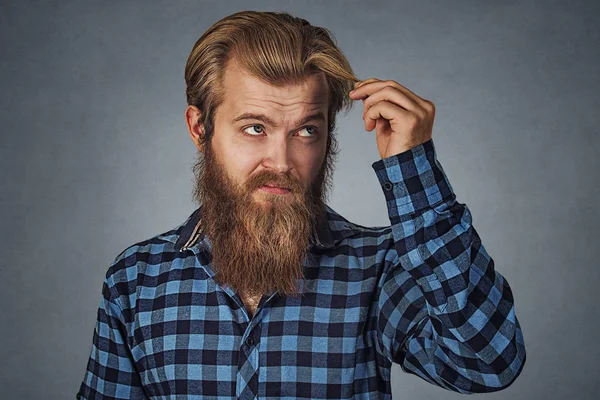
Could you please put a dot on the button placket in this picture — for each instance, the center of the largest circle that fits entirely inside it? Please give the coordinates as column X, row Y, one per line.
column 248, row 364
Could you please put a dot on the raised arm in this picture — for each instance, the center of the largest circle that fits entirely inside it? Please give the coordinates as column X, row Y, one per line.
column 444, row 313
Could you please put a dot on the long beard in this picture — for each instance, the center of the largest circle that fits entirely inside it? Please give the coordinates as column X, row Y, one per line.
column 257, row 247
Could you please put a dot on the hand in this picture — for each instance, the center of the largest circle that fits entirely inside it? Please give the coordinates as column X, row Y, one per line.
column 402, row 120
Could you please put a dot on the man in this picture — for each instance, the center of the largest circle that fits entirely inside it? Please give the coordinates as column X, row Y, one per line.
column 266, row 292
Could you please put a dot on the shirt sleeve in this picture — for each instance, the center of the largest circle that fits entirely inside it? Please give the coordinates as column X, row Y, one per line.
column 111, row 371
column 444, row 313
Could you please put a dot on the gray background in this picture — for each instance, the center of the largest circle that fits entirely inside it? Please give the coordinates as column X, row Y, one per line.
column 95, row 156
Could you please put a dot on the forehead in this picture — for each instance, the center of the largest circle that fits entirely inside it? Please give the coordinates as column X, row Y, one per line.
column 244, row 92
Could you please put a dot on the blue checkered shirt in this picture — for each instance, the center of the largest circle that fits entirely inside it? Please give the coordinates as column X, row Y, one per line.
column 422, row 293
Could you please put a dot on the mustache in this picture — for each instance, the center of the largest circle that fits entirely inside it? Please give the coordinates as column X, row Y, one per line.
column 273, row 178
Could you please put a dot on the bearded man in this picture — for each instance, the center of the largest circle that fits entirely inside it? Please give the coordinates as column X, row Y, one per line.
column 267, row 292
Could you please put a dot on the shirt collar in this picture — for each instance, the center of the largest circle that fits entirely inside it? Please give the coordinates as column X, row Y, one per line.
column 190, row 233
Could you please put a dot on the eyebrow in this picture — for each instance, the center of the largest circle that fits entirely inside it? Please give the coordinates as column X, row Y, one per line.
column 318, row 116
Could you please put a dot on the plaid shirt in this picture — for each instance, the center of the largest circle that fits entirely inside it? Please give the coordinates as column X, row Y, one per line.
column 422, row 293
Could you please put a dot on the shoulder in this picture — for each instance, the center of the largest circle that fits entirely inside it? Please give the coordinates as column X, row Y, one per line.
column 351, row 233
column 147, row 257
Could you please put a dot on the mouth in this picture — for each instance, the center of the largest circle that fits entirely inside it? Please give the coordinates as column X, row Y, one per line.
column 274, row 189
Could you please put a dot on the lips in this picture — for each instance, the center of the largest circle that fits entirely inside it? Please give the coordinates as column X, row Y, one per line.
column 276, row 186
column 275, row 189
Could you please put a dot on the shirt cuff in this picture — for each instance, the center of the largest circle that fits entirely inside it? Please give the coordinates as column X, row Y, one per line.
column 413, row 181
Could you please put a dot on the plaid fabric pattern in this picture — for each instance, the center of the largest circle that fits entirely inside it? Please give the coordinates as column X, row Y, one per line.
column 422, row 293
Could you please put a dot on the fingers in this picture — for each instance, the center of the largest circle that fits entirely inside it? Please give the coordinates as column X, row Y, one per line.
column 369, row 86
column 360, row 83
column 392, row 94
column 391, row 112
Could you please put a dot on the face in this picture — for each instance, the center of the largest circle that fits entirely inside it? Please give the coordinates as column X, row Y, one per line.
column 262, row 179
column 282, row 130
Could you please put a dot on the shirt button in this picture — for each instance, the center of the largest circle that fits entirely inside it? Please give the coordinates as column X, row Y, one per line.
column 250, row 341
column 388, row 186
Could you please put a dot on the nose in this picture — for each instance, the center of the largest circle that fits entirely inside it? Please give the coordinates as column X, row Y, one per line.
column 278, row 156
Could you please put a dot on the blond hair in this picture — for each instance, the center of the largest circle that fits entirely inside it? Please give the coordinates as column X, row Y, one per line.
column 275, row 47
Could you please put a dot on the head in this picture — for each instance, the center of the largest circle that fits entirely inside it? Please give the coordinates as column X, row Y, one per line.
column 263, row 91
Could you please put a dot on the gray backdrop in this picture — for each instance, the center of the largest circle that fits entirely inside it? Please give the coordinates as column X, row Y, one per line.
column 96, row 156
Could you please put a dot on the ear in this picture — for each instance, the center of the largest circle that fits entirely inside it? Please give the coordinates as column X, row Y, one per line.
column 195, row 128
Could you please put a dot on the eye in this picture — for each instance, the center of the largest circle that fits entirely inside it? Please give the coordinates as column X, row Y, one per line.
column 257, row 130
column 310, row 131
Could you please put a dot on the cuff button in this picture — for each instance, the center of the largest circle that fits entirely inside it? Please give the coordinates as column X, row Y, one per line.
column 388, row 186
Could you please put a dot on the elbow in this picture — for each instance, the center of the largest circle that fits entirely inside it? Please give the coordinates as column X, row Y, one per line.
column 509, row 365
column 504, row 370
column 492, row 376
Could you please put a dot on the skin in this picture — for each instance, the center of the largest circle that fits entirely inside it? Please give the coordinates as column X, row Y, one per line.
column 282, row 145
column 401, row 119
